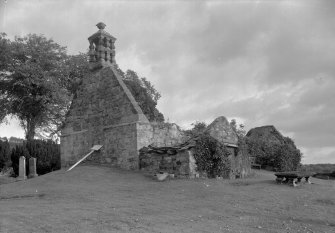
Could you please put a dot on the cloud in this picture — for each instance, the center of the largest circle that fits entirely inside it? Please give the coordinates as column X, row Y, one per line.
column 263, row 62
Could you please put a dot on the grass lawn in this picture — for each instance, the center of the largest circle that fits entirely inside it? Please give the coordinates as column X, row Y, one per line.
column 102, row 199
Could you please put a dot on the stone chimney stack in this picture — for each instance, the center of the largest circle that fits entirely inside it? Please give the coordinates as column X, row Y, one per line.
column 102, row 49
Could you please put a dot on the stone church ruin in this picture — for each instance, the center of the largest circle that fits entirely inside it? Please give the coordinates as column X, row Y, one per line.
column 104, row 112
column 179, row 159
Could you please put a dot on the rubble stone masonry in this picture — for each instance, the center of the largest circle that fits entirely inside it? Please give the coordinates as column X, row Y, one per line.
column 103, row 112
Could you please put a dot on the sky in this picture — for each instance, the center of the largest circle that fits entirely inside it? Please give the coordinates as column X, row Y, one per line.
column 259, row 62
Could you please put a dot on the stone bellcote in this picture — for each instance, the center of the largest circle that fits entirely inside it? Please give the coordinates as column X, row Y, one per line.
column 102, row 49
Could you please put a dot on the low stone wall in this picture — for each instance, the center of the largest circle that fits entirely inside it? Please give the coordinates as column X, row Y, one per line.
column 180, row 163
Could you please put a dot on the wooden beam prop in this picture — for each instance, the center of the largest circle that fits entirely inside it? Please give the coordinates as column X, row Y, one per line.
column 94, row 148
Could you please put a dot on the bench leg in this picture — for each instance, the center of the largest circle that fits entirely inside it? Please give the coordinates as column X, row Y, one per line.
column 307, row 180
column 292, row 181
column 279, row 180
column 295, row 183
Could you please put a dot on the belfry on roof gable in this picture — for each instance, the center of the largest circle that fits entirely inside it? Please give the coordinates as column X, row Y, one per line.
column 102, row 49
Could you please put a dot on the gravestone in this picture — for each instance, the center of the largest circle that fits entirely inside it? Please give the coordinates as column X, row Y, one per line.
column 22, row 168
column 32, row 168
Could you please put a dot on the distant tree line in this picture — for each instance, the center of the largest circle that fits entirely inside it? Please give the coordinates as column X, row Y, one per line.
column 320, row 168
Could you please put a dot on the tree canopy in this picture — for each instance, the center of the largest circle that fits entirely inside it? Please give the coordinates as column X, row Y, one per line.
column 238, row 129
column 144, row 93
column 31, row 78
column 281, row 155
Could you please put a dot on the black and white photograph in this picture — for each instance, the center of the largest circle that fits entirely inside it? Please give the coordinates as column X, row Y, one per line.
column 167, row 116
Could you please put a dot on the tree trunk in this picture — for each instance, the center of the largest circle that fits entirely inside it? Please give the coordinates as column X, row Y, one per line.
column 30, row 133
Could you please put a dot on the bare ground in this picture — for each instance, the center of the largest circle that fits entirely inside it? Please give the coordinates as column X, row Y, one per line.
column 102, row 199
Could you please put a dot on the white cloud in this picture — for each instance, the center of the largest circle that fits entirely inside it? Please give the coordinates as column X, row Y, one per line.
column 263, row 62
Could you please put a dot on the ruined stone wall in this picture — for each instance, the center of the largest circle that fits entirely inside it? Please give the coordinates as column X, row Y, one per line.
column 159, row 134
column 103, row 112
column 240, row 164
column 119, row 147
column 167, row 134
column 221, row 130
column 181, row 164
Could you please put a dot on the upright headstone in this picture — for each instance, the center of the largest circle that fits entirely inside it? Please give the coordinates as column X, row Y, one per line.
column 32, row 168
column 22, row 168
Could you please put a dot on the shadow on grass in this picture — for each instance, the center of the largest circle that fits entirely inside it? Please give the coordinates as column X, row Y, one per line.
column 251, row 182
column 325, row 201
column 22, row 196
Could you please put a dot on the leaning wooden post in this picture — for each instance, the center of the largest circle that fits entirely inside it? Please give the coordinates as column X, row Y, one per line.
column 22, row 168
column 94, row 148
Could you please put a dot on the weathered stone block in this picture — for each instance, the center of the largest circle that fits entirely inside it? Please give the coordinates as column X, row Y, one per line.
column 22, row 168
column 32, row 168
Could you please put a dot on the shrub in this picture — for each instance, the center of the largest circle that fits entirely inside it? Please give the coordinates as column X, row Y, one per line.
column 282, row 156
column 47, row 154
column 4, row 154
column 211, row 156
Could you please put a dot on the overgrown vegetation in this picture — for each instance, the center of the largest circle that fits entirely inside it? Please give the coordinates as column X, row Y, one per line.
column 211, row 156
column 47, row 154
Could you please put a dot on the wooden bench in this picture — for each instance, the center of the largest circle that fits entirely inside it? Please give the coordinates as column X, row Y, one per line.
column 293, row 178
column 254, row 164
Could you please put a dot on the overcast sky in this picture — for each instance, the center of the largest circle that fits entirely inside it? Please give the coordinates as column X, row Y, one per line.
column 260, row 62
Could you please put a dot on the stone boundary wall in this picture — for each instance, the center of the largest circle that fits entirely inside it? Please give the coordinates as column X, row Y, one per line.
column 181, row 164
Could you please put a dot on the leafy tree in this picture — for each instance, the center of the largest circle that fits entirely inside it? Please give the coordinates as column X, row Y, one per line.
column 144, row 93
column 31, row 75
column 239, row 130
column 74, row 69
column 199, row 127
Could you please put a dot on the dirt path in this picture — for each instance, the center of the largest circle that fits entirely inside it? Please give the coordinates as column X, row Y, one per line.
column 101, row 199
